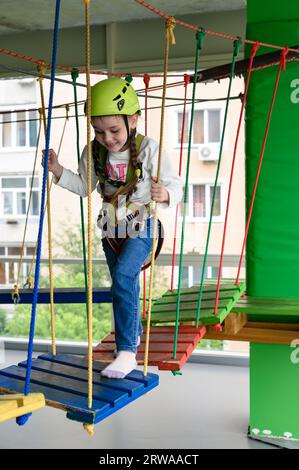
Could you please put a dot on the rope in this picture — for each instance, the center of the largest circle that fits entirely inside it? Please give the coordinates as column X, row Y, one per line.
column 169, row 36
column 64, row 105
column 41, row 68
column 75, row 74
column 252, row 55
column 146, row 79
column 69, row 69
column 89, row 217
column 199, row 45
column 237, row 45
column 139, row 92
column 282, row 67
column 29, row 281
column 16, row 293
column 212, row 33
column 186, row 81
column 43, row 195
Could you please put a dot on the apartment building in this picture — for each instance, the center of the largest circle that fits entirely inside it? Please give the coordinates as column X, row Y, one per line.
column 18, row 137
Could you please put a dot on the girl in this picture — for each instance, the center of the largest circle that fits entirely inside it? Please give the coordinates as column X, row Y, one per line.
column 124, row 169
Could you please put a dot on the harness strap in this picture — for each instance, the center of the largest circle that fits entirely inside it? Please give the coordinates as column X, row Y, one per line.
column 117, row 243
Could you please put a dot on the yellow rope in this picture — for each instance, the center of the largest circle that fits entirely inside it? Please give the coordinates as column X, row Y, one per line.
column 89, row 428
column 169, row 35
column 15, row 295
column 169, row 26
column 89, row 219
column 42, row 69
column 67, row 110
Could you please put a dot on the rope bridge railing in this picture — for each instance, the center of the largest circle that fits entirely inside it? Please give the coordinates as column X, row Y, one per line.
column 190, row 259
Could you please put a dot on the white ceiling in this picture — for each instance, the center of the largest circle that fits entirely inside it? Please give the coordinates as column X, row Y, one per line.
column 19, row 16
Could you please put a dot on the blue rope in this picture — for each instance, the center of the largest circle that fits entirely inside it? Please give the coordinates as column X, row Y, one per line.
column 43, row 197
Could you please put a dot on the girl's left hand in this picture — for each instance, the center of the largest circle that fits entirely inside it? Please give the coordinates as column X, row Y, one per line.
column 158, row 192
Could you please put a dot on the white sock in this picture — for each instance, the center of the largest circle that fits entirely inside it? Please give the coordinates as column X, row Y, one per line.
column 115, row 353
column 121, row 366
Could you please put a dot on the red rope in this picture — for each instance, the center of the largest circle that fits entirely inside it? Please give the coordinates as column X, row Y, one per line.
column 159, row 87
column 186, row 81
column 282, row 67
column 69, row 69
column 213, row 33
column 146, row 79
column 252, row 55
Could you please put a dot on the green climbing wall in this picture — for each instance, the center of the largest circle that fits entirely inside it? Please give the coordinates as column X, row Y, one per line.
column 274, row 385
column 273, row 240
column 272, row 252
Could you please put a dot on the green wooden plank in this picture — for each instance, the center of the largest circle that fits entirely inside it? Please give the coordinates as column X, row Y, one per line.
column 209, row 286
column 165, row 312
column 275, row 306
column 272, row 301
column 207, row 315
column 193, row 298
column 188, row 306
column 251, row 307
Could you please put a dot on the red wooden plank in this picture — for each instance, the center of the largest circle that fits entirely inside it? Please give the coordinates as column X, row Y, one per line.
column 165, row 347
column 163, row 362
column 103, row 356
column 109, row 343
column 154, row 347
column 170, row 329
column 160, row 348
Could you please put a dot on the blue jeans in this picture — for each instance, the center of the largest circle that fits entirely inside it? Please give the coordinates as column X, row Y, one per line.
column 125, row 274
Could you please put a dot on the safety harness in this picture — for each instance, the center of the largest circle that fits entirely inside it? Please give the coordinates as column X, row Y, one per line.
column 134, row 174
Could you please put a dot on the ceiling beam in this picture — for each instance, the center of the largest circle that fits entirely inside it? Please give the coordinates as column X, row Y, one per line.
column 135, row 46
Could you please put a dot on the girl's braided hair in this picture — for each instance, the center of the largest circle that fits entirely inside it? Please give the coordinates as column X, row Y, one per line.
column 96, row 156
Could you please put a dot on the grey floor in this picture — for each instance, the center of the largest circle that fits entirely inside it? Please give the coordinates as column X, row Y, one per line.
column 205, row 408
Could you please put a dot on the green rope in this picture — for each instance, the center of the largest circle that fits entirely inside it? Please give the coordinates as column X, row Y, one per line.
column 176, row 372
column 199, row 44
column 237, row 45
column 129, row 78
column 75, row 74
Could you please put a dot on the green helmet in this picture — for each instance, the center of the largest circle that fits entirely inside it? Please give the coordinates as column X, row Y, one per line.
column 113, row 96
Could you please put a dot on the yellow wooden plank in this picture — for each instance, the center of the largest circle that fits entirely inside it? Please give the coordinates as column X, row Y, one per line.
column 15, row 405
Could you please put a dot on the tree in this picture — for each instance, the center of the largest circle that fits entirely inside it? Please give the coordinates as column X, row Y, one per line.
column 2, row 321
column 70, row 319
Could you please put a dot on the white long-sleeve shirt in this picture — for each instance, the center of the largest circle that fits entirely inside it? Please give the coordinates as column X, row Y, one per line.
column 117, row 166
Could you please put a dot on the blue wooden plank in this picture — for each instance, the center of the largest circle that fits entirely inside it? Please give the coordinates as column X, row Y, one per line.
column 128, row 386
column 61, row 296
column 100, row 415
column 58, row 399
column 66, row 384
column 74, row 401
column 81, row 362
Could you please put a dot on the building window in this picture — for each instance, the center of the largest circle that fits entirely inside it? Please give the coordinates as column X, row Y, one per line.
column 199, row 202
column 9, row 269
column 206, row 127
column 19, row 130
column 15, row 194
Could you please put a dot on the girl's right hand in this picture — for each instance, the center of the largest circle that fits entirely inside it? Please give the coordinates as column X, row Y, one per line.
column 53, row 164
